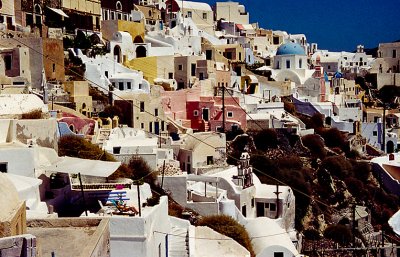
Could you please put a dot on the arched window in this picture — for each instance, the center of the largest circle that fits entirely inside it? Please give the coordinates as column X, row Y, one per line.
column 38, row 9
column 117, row 53
column 119, row 6
column 141, row 51
column 38, row 14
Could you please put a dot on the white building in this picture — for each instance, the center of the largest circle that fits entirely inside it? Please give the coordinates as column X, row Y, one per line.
column 232, row 11
column 290, row 63
column 124, row 143
column 343, row 61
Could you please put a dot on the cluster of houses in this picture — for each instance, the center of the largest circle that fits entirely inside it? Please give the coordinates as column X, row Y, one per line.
column 181, row 73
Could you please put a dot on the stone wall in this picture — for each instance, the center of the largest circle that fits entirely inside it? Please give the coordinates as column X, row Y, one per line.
column 23, row 246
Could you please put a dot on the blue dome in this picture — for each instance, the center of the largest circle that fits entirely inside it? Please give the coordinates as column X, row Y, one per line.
column 290, row 49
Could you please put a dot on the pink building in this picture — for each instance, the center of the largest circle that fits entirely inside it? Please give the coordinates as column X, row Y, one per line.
column 203, row 113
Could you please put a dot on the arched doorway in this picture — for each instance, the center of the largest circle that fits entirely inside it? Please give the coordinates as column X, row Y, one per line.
column 138, row 40
column 141, row 52
column 390, row 147
column 117, row 53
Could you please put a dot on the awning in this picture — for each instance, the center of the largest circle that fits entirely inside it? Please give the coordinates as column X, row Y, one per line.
column 59, row 11
column 240, row 26
column 86, row 167
column 248, row 27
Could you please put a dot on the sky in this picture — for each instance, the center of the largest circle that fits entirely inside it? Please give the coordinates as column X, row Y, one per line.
column 338, row 25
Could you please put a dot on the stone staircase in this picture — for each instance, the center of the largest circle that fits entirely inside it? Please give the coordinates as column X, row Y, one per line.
column 178, row 242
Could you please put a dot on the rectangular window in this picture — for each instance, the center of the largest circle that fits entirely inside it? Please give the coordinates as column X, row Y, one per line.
column 208, row 54
column 374, row 133
column 141, row 106
column 210, row 160
column 151, row 127
column 129, row 85
column 3, row 167
column 156, row 112
column 106, row 74
column 117, row 150
column 287, row 64
column 204, row 16
column 229, row 114
column 121, row 85
column 394, row 53
column 278, row 254
column 112, row 15
column 189, row 14
column 170, row 75
column 252, row 202
column 8, row 62
column 244, row 210
column 142, row 125
column 162, row 125
column 188, row 159
column 140, row 85
column 193, row 69
column 272, row 207
column 180, row 67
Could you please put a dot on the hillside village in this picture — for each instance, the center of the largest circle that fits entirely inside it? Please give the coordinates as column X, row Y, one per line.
column 167, row 128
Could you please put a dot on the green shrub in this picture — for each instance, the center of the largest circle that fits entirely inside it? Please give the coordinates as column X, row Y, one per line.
column 141, row 170
column 229, row 227
column 35, row 114
column 76, row 146
column 315, row 144
column 339, row 233
column 265, row 139
column 338, row 166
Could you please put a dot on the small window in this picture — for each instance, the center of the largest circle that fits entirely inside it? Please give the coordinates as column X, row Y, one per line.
column 106, row 74
column 156, row 112
column 170, row 75
column 195, row 113
column 151, row 127
column 142, row 125
column 287, row 64
column 193, row 69
column 140, row 85
column 272, row 207
column 394, row 53
column 129, row 85
column 3, row 167
column 8, row 62
column 210, row 160
column 54, row 67
column 188, row 159
column 204, row 16
column 141, row 106
column 180, row 67
column 121, row 85
column 252, row 202
column 117, row 150
column 229, row 114
column 374, row 133
column 189, row 14
column 278, row 254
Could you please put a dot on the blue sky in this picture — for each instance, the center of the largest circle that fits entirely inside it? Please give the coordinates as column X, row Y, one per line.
column 334, row 25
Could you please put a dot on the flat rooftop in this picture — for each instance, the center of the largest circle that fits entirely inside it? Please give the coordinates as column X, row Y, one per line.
column 67, row 237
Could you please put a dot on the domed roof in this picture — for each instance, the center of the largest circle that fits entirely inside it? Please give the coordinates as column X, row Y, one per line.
column 290, row 49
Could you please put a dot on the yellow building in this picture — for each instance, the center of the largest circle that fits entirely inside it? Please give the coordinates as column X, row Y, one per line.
column 82, row 14
column 135, row 29
column 153, row 67
column 147, row 112
column 12, row 211
column 79, row 94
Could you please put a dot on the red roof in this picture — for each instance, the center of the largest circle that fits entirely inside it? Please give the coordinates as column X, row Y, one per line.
column 240, row 26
